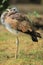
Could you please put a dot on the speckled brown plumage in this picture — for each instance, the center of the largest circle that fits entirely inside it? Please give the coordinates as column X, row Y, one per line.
column 18, row 21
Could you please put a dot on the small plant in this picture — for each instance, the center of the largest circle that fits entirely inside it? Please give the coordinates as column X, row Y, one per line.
column 35, row 13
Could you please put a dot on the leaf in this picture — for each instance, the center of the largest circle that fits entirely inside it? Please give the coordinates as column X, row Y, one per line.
column 4, row 1
column 36, row 14
column 1, row 6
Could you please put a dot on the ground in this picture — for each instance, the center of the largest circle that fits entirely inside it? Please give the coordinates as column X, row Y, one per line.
column 30, row 53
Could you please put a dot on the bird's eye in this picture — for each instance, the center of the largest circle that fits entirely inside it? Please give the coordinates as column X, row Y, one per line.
column 14, row 9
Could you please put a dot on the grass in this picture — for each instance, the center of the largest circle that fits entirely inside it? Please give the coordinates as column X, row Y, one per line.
column 30, row 53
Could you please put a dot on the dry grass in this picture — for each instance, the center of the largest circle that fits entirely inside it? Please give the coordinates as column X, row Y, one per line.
column 30, row 53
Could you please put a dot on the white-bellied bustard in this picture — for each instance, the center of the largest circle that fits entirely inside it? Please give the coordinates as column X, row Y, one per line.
column 14, row 21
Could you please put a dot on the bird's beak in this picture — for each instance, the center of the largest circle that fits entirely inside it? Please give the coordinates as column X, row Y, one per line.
column 8, row 10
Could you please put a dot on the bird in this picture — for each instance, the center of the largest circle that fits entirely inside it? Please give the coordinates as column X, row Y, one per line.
column 15, row 21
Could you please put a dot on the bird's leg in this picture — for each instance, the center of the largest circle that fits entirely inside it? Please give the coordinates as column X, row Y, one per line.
column 17, row 47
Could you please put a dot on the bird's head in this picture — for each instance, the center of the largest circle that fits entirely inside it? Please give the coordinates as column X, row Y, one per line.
column 14, row 9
